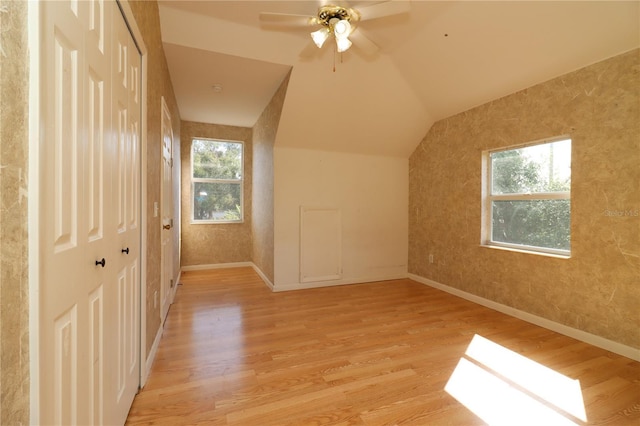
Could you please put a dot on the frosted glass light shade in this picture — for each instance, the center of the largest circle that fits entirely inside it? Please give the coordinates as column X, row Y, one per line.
column 320, row 36
column 343, row 44
column 342, row 29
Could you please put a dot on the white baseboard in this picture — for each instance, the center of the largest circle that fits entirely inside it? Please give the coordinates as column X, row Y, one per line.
column 583, row 336
column 146, row 369
column 333, row 283
column 216, row 266
column 176, row 282
column 229, row 265
column 266, row 280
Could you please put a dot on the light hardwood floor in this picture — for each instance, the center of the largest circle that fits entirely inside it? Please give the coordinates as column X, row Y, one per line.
column 382, row 353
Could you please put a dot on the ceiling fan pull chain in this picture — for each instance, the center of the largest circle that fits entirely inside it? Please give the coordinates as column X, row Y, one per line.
column 334, row 59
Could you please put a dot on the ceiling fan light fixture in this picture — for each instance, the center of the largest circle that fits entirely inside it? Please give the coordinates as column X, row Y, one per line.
column 342, row 29
column 343, row 44
column 320, row 36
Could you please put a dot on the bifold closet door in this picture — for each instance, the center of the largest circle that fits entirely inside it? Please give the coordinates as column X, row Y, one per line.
column 80, row 249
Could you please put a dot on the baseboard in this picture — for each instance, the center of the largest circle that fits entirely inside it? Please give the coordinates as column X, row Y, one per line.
column 176, row 283
column 216, row 266
column 583, row 336
column 333, row 283
column 152, row 356
column 266, row 280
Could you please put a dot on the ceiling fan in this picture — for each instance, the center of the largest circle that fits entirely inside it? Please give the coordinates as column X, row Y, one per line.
column 340, row 22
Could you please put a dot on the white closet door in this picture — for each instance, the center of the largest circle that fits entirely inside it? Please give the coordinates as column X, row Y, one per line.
column 80, row 250
column 124, row 336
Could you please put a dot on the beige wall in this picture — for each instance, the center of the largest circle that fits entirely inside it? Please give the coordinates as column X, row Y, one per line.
column 206, row 244
column 372, row 195
column 596, row 290
column 158, row 85
column 264, row 135
column 14, row 290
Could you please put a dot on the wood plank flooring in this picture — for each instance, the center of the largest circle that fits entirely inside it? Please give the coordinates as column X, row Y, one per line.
column 234, row 353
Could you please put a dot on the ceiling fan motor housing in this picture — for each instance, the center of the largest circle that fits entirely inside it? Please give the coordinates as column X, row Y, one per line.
column 329, row 12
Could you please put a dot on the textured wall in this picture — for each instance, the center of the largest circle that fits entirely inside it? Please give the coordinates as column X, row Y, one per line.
column 158, row 85
column 14, row 290
column 205, row 244
column 264, row 136
column 597, row 290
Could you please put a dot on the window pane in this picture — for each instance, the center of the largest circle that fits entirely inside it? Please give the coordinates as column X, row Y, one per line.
column 540, row 168
column 216, row 160
column 538, row 223
column 217, row 201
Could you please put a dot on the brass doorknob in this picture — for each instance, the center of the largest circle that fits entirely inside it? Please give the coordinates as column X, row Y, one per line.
column 166, row 227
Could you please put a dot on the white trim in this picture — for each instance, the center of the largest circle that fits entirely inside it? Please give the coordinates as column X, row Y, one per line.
column 564, row 195
column 176, row 281
column 488, row 198
column 152, row 355
column 294, row 286
column 550, row 139
column 583, row 336
column 521, row 248
column 229, row 265
column 216, row 266
column 33, row 205
column 240, row 182
column 318, row 284
column 266, row 280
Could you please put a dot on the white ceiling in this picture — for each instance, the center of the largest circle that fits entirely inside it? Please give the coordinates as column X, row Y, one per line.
column 439, row 59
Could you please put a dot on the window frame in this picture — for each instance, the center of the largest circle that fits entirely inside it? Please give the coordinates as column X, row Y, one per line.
column 195, row 180
column 488, row 198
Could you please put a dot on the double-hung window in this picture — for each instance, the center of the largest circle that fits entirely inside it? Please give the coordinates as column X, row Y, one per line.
column 216, row 181
column 527, row 202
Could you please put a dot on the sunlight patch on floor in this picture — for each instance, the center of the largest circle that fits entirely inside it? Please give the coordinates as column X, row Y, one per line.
column 505, row 388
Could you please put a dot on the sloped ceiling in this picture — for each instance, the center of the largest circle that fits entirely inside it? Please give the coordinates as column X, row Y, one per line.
column 439, row 59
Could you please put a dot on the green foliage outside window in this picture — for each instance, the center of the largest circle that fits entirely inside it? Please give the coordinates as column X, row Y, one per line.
column 217, row 180
column 537, row 221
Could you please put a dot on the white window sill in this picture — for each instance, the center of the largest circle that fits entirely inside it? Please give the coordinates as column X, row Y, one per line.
column 517, row 250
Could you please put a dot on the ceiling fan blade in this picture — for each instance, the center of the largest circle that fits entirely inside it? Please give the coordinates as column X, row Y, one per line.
column 364, row 43
column 383, row 9
column 287, row 19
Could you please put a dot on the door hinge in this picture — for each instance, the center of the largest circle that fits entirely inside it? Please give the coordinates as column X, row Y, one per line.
column 171, row 285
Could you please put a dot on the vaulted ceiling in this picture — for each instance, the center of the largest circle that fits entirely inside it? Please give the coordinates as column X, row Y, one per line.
column 439, row 59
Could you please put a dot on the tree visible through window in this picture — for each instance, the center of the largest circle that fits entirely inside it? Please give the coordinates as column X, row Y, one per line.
column 216, row 183
column 529, row 197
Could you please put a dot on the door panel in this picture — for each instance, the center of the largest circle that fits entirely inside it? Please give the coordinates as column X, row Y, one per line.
column 96, row 389
column 66, row 367
column 65, row 168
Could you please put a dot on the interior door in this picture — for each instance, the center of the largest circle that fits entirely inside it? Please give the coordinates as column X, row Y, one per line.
column 75, row 182
column 125, row 331
column 80, row 295
column 166, row 286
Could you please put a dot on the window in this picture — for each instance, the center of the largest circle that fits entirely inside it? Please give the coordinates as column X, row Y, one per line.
column 528, row 197
column 216, row 181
